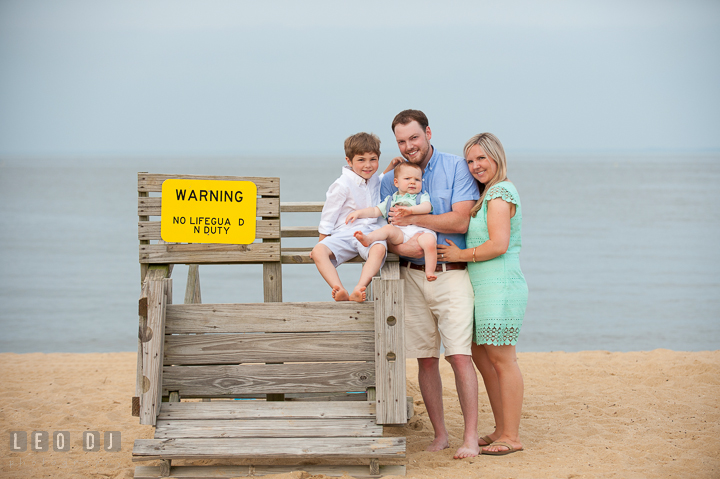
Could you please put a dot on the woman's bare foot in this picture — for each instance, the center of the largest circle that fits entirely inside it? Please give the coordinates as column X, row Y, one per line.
column 358, row 294
column 431, row 277
column 362, row 238
column 499, row 447
column 340, row 294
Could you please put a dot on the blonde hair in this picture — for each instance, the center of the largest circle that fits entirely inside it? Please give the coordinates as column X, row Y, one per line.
column 495, row 151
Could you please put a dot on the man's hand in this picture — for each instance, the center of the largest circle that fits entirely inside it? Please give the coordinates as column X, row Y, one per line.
column 410, row 249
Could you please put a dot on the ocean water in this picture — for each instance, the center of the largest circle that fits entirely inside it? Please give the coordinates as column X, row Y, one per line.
column 619, row 252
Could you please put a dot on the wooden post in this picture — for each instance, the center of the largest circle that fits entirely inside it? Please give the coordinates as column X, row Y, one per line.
column 391, row 405
column 192, row 290
column 165, row 467
column 153, row 342
column 272, row 290
column 374, row 467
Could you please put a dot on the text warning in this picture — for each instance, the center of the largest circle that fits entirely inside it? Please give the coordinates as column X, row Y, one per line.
column 208, row 211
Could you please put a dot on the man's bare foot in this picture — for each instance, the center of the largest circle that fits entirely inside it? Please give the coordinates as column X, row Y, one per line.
column 431, row 277
column 358, row 294
column 340, row 294
column 438, row 444
column 362, row 238
column 467, row 450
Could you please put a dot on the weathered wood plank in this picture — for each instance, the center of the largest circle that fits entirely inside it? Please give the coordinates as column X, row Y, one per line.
column 275, row 347
column 192, row 287
column 301, row 207
column 228, row 381
column 390, row 350
column 152, row 206
column 302, row 256
column 391, row 269
column 152, row 351
column 150, row 230
column 153, row 182
column 230, row 472
column 266, row 410
column 270, row 317
column 305, row 447
column 299, row 232
column 209, row 253
column 279, row 428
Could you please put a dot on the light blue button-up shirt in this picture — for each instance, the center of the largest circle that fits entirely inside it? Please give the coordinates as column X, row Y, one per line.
column 448, row 181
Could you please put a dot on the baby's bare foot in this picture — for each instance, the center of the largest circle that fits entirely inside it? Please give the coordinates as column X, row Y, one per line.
column 340, row 294
column 358, row 294
column 362, row 238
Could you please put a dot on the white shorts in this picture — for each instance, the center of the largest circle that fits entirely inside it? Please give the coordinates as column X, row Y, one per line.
column 438, row 310
column 411, row 230
column 345, row 247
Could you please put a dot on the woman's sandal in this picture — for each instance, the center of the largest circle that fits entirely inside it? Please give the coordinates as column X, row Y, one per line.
column 509, row 449
column 487, row 441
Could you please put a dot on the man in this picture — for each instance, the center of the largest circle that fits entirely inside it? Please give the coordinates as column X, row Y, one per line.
column 442, row 309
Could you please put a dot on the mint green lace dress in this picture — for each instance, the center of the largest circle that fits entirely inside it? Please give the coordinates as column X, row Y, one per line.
column 500, row 289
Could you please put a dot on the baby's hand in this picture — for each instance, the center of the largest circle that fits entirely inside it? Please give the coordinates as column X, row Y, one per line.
column 351, row 217
column 401, row 211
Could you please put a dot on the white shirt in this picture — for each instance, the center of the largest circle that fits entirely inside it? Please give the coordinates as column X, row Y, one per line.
column 348, row 193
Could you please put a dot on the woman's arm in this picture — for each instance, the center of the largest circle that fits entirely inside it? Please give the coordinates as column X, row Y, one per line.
column 499, row 213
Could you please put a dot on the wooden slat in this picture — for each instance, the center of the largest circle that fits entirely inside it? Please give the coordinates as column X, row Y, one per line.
column 276, row 347
column 265, row 410
column 299, row 232
column 279, row 428
column 152, row 351
column 391, row 269
column 209, row 253
column 152, row 206
column 305, row 447
column 270, row 317
column 228, row 381
column 153, row 182
column 390, row 350
column 230, row 472
column 302, row 256
column 302, row 207
column 150, row 230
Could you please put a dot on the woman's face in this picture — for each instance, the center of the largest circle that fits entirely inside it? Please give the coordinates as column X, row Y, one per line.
column 481, row 166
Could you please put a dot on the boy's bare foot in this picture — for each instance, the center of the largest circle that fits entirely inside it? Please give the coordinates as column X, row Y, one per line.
column 358, row 294
column 438, row 444
column 431, row 277
column 467, row 450
column 362, row 238
column 340, row 294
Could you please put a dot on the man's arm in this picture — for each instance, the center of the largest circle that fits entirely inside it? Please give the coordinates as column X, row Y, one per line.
column 455, row 221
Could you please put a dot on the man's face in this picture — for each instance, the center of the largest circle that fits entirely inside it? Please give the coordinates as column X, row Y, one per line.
column 414, row 142
column 365, row 164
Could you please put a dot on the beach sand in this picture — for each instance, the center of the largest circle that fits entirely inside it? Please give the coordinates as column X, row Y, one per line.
column 588, row 414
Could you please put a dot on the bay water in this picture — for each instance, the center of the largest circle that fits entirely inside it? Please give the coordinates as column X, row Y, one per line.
column 620, row 252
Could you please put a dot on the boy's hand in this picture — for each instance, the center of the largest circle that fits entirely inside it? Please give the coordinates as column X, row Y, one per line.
column 351, row 217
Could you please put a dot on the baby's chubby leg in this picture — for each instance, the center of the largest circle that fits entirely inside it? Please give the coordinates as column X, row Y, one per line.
column 392, row 234
column 321, row 254
column 428, row 243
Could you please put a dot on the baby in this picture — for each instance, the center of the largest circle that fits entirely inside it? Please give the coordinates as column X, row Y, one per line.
column 409, row 200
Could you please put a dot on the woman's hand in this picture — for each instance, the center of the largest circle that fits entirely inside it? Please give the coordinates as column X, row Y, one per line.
column 449, row 253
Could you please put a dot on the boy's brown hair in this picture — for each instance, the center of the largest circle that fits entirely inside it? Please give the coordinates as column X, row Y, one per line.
column 407, row 164
column 408, row 116
column 360, row 143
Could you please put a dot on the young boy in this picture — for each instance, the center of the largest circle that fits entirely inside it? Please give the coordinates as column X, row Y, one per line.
column 408, row 180
column 357, row 188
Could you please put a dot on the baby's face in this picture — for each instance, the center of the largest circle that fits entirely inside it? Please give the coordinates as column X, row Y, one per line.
column 409, row 180
column 365, row 164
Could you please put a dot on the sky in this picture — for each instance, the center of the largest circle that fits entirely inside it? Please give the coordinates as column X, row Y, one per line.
column 161, row 78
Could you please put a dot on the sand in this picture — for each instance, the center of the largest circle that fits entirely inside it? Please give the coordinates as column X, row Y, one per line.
column 588, row 414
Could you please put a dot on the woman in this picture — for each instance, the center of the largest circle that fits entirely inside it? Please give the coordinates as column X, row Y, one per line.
column 493, row 241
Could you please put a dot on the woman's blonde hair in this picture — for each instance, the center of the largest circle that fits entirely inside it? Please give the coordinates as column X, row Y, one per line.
column 495, row 151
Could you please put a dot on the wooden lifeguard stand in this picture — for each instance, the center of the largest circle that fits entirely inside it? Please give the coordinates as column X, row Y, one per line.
column 263, row 381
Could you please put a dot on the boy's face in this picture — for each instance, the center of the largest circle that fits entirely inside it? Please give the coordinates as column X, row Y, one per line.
column 409, row 180
column 365, row 164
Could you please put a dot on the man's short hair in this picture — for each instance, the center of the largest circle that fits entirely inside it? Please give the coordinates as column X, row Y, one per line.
column 360, row 143
column 408, row 116
column 407, row 164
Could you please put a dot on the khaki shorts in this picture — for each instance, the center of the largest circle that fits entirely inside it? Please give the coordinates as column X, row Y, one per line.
column 435, row 311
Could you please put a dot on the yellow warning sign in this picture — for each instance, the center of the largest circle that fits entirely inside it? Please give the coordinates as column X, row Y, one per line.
column 208, row 211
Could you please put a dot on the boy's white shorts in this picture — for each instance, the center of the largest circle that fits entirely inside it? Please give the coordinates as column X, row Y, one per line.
column 345, row 247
